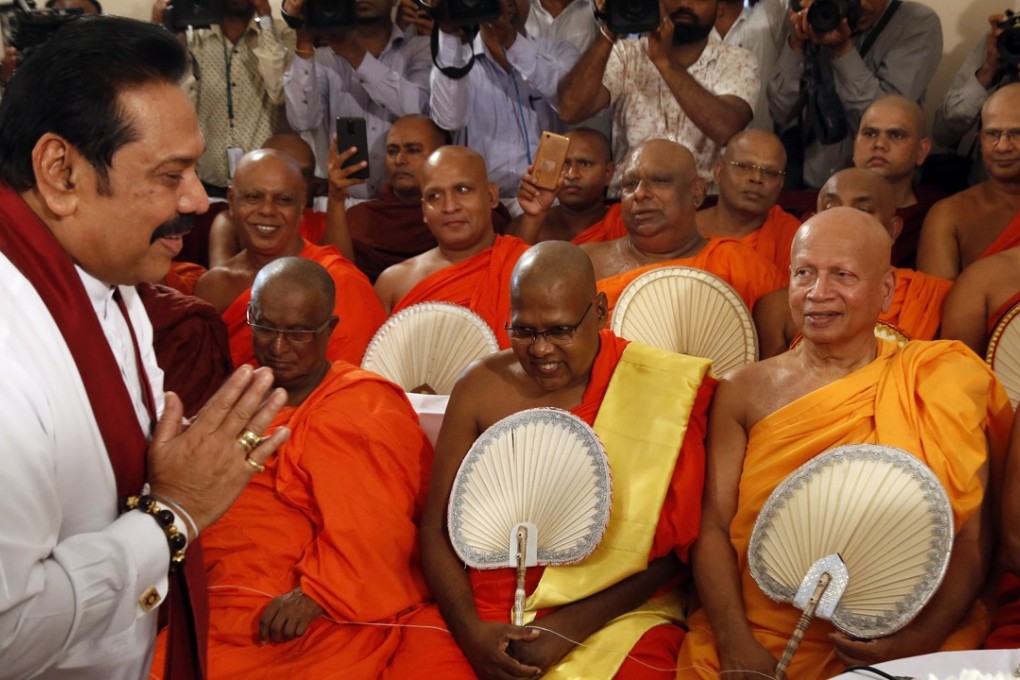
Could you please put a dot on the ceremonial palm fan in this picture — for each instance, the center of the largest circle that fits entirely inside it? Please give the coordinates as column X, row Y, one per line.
column 425, row 347
column 859, row 535
column 1004, row 352
column 534, row 489
column 690, row 311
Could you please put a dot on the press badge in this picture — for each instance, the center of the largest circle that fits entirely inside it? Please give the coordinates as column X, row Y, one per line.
column 234, row 154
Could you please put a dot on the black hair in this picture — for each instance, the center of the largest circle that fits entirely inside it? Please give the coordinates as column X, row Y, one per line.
column 71, row 87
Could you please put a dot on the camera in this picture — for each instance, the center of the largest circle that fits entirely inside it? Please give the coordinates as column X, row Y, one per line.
column 330, row 16
column 25, row 27
column 1008, row 42
column 194, row 13
column 826, row 15
column 632, row 16
column 463, row 12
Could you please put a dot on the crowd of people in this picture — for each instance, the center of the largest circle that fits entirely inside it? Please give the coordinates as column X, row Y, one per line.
column 192, row 267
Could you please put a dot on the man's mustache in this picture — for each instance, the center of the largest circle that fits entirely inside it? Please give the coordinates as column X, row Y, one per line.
column 178, row 226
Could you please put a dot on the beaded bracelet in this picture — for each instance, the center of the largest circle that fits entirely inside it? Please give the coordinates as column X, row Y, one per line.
column 177, row 541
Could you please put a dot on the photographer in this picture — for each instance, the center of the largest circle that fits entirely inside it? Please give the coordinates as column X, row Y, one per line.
column 503, row 104
column 65, row 8
column 893, row 48
column 374, row 70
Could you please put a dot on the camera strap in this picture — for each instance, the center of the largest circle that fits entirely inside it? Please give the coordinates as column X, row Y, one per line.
column 455, row 72
column 873, row 35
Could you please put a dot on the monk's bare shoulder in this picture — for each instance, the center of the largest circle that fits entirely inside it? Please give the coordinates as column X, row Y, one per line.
column 757, row 390
column 398, row 279
column 495, row 387
column 221, row 285
column 606, row 257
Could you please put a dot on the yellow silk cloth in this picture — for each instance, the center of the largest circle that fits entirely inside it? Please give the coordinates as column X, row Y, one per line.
column 642, row 452
column 935, row 400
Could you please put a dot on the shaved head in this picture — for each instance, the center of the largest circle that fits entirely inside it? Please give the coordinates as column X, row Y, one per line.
column 679, row 157
column 759, row 142
column 295, row 147
column 900, row 103
column 1000, row 116
column 1007, row 97
column 551, row 265
column 596, row 139
column 870, row 238
column 265, row 158
column 468, row 163
column 300, row 273
column 660, row 192
column 458, row 199
column 864, row 190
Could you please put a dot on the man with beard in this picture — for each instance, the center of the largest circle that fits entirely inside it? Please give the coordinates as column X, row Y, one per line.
column 750, row 176
column 104, row 488
column 237, row 85
column 674, row 83
column 502, row 106
column 374, row 71
column 984, row 219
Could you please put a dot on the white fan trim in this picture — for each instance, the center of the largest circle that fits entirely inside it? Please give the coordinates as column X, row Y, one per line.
column 1007, row 329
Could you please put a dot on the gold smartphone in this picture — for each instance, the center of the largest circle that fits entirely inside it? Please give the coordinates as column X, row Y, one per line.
column 552, row 152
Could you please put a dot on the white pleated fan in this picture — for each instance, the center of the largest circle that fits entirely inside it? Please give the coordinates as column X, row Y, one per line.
column 534, row 489
column 425, row 347
column 690, row 311
column 1004, row 352
column 882, row 511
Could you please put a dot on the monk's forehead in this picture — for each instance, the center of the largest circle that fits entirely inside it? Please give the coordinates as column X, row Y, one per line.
column 450, row 165
column 756, row 145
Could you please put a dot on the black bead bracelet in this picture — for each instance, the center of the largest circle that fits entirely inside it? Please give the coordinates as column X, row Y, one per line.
column 177, row 541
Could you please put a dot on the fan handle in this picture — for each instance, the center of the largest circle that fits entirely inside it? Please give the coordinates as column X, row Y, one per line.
column 521, row 553
column 802, row 625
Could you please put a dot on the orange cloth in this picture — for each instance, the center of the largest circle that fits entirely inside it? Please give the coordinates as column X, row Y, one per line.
column 480, row 283
column 750, row 274
column 1007, row 238
column 335, row 513
column 183, row 276
column 773, row 239
column 934, row 399
column 997, row 315
column 313, row 226
column 430, row 654
column 916, row 307
column 609, row 228
column 359, row 310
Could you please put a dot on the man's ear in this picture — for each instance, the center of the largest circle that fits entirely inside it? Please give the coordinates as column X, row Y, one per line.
column 493, row 195
column 896, row 226
column 58, row 169
column 602, row 310
column 924, row 148
column 699, row 191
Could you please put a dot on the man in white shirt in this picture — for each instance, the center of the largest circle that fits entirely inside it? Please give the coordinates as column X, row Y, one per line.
column 98, row 151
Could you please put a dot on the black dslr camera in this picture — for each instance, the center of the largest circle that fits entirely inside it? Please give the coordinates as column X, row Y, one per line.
column 25, row 27
column 632, row 16
column 330, row 16
column 194, row 13
column 825, row 15
column 1008, row 42
column 462, row 12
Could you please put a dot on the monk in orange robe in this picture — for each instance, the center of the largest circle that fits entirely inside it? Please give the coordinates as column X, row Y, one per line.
column 471, row 266
column 609, row 228
column 321, row 545
column 1007, row 238
column 750, row 178
column 840, row 385
column 552, row 286
column 266, row 199
column 184, row 276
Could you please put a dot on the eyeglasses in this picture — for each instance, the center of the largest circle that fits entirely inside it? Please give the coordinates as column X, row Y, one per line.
column 557, row 335
column 993, row 136
column 750, row 168
column 299, row 336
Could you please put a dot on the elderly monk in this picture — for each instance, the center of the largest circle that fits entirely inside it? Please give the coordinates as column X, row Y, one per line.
column 891, row 142
column 326, row 535
column 841, row 385
column 581, row 216
column 661, row 192
column 985, row 291
column 472, row 264
column 750, row 176
column 560, row 358
column 267, row 197
column 984, row 219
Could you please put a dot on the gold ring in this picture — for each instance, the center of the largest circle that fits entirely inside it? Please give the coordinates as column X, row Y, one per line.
column 248, row 441
column 259, row 467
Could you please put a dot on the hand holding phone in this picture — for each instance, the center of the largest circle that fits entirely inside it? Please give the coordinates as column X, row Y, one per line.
column 552, row 152
column 351, row 132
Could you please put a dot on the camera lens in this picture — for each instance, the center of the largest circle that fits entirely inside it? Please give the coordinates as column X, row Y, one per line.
column 824, row 16
column 1008, row 43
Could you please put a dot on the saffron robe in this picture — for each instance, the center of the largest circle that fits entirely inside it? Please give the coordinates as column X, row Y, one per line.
column 429, row 654
column 609, row 228
column 335, row 514
column 183, row 276
column 773, row 239
column 997, row 315
column 935, row 400
column 1007, row 238
column 750, row 274
column 481, row 283
column 359, row 310
column 916, row 307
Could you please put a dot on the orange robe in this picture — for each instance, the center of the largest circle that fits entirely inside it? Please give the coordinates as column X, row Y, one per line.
column 335, row 514
column 750, row 274
column 773, row 239
column 313, row 226
column 916, row 307
column 1007, row 238
column 609, row 228
column 183, row 276
column 428, row 654
column 934, row 399
column 359, row 310
column 480, row 283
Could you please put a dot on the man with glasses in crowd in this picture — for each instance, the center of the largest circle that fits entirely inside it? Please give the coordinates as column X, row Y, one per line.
column 561, row 357
column 267, row 201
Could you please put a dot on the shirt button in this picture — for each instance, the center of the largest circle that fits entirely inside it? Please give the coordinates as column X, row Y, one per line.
column 149, row 599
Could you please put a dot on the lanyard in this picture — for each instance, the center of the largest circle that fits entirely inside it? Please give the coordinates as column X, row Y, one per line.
column 228, row 60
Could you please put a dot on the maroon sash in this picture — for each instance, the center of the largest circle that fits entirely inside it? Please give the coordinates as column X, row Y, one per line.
column 35, row 252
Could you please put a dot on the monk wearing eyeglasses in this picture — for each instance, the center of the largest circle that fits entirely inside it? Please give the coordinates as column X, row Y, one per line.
column 649, row 407
column 660, row 194
column 750, row 176
column 267, row 202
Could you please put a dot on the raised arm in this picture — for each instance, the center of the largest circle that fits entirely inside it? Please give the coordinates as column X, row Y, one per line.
column 581, row 92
